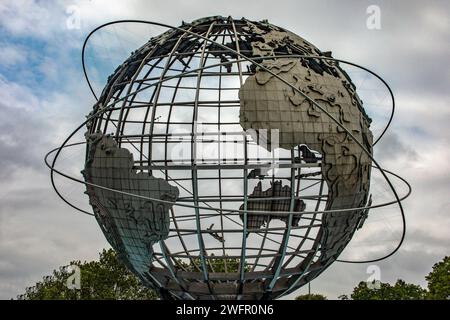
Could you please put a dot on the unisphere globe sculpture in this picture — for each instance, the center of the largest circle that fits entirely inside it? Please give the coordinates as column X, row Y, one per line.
column 228, row 159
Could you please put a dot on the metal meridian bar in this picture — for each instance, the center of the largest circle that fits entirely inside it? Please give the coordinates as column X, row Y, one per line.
column 192, row 261
column 171, row 269
column 201, row 244
column 243, row 258
column 278, row 263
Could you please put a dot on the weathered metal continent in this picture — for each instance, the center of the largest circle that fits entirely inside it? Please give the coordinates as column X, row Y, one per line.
column 132, row 225
column 255, row 221
column 269, row 103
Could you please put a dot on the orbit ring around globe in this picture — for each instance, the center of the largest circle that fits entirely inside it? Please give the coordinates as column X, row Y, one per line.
column 245, row 212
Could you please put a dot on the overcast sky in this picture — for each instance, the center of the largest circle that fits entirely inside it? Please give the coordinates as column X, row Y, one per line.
column 43, row 96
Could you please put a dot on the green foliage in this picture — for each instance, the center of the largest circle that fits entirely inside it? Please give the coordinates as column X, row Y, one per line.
column 311, row 296
column 439, row 280
column 438, row 287
column 105, row 279
column 213, row 265
column 400, row 291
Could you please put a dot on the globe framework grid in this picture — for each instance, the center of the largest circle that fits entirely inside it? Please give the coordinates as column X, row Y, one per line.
column 228, row 223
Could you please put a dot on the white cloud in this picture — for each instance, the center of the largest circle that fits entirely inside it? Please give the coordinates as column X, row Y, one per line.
column 30, row 17
column 12, row 55
column 17, row 96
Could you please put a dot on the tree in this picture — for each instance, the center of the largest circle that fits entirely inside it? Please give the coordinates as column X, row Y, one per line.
column 439, row 280
column 105, row 279
column 311, row 296
column 400, row 291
